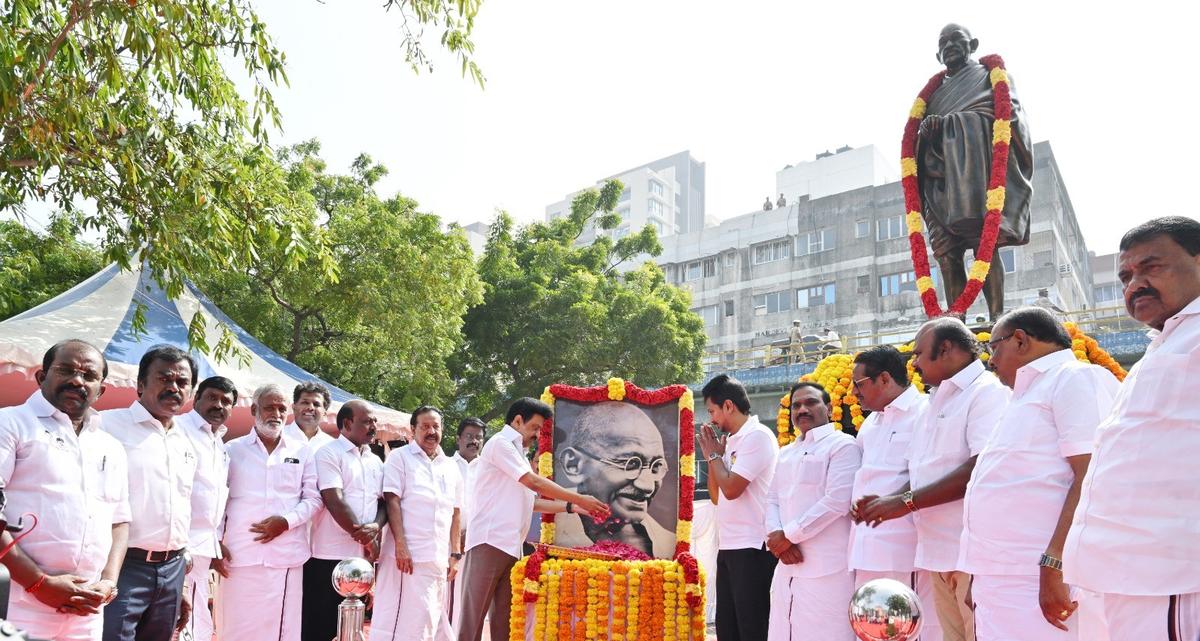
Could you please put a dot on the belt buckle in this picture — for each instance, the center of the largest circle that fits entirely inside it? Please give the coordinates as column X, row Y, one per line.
column 156, row 557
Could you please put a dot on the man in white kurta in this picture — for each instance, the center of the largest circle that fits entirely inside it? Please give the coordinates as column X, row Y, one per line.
column 423, row 490
column 808, row 524
column 56, row 463
column 887, row 551
column 1026, row 483
column 1136, row 534
column 350, row 479
column 272, row 497
column 205, row 425
column 471, row 432
column 965, row 408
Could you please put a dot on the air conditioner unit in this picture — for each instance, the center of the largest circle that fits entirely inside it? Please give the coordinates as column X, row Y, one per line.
column 1064, row 268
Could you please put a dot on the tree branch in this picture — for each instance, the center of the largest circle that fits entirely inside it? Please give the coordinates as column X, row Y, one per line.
column 78, row 11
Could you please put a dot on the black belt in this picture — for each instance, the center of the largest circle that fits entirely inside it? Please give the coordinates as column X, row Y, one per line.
column 149, row 556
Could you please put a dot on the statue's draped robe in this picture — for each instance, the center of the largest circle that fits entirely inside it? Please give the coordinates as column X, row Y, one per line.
column 954, row 171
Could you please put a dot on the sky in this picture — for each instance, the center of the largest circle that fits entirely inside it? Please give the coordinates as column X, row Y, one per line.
column 579, row 90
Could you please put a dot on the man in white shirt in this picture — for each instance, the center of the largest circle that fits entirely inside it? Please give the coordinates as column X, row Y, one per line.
column 740, row 468
column 272, row 497
column 963, row 412
column 310, row 403
column 205, row 425
column 350, row 479
column 150, row 603
column 808, row 524
column 56, row 463
column 499, row 524
column 880, row 379
column 1026, row 482
column 471, row 432
column 1135, row 535
column 421, row 548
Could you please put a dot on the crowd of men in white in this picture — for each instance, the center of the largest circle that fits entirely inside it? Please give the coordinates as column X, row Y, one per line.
column 1041, row 500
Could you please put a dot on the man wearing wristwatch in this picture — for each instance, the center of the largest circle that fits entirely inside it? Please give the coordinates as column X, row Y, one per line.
column 57, row 463
column 1025, row 487
column 964, row 409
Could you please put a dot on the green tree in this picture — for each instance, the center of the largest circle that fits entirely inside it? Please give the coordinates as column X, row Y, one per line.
column 558, row 310
column 39, row 266
column 385, row 328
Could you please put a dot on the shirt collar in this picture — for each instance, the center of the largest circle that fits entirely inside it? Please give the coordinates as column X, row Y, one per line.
column 1191, row 309
column 43, row 409
column 200, row 424
column 905, row 400
column 347, row 445
column 817, row 433
column 142, row 415
column 415, row 451
column 509, row 432
column 967, row 375
column 1033, row 370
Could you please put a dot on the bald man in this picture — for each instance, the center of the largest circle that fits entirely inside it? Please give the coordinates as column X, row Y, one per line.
column 616, row 454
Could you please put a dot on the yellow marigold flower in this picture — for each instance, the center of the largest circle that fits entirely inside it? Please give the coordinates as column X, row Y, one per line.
column 857, row 421
column 547, row 533
column 547, row 397
column 998, row 75
column 979, row 270
column 683, row 531
column 913, row 220
column 687, row 402
column 616, row 389
column 995, row 199
column 1002, row 132
column 687, row 465
column 531, row 586
column 984, row 356
column 545, row 464
column 918, row 109
column 983, row 337
column 1081, row 355
column 908, row 167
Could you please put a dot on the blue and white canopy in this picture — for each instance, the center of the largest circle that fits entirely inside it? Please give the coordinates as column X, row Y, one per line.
column 101, row 311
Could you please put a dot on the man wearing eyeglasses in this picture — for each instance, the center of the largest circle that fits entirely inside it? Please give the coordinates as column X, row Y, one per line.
column 615, row 453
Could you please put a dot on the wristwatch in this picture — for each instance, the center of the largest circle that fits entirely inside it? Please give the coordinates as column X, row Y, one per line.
column 712, row 457
column 570, row 509
column 1050, row 562
column 457, row 556
column 908, row 501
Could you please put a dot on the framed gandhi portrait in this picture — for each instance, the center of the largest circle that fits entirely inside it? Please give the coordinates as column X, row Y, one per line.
column 622, row 445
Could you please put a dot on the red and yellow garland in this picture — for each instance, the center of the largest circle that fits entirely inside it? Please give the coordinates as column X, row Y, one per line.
column 1001, row 136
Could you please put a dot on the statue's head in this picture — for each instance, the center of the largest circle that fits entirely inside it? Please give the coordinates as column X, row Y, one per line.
column 955, row 46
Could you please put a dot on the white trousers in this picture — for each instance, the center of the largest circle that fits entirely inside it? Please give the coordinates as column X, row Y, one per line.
column 810, row 608
column 257, row 603
column 1121, row 617
column 39, row 621
column 1007, row 609
column 195, row 586
column 410, row 607
column 919, row 580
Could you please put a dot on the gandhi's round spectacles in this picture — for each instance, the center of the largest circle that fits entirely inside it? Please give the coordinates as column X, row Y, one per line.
column 634, row 465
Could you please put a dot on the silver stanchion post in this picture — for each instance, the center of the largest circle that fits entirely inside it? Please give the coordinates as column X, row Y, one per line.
column 885, row 610
column 352, row 578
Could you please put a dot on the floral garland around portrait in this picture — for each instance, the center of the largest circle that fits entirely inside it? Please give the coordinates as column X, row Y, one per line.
column 588, row 599
column 1001, row 136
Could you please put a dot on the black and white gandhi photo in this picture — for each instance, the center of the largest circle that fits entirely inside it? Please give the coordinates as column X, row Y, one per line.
column 626, row 455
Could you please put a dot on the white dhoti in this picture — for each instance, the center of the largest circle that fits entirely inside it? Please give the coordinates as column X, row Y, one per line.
column 40, row 621
column 919, row 580
column 1121, row 617
column 811, row 608
column 410, row 607
column 257, row 603
column 1007, row 609
column 195, row 586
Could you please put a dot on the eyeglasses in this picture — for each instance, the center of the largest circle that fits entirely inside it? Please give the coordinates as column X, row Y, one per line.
column 88, row 375
column 857, row 382
column 992, row 344
column 634, row 465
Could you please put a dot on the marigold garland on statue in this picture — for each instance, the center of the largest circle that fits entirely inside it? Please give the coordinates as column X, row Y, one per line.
column 994, row 204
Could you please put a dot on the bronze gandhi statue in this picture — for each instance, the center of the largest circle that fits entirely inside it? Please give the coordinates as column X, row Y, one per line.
column 954, row 161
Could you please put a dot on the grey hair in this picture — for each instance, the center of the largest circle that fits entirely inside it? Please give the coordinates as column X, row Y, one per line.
column 269, row 388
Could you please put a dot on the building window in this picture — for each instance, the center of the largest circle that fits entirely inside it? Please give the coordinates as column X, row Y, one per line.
column 710, row 313
column 862, row 228
column 895, row 284
column 625, row 193
column 710, row 267
column 889, row 228
column 728, row 308
column 731, row 259
column 774, row 302
column 772, row 251
column 623, row 213
column 1107, row 294
column 815, row 296
column 864, row 284
column 656, row 188
column 693, row 271
column 1008, row 258
column 814, row 242
column 654, row 208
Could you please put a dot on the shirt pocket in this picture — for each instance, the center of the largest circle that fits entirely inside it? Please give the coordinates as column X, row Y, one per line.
column 1160, row 386
column 811, row 472
column 896, row 453
column 286, row 478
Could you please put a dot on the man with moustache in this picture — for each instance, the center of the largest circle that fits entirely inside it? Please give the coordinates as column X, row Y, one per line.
column 423, row 491
column 965, row 408
column 163, row 468
column 740, row 468
column 499, row 525
column 1134, row 535
column 807, row 523
column 615, row 453
column 56, row 463
column 471, row 432
column 880, row 380
column 1026, row 484
column 310, row 403
column 272, row 497
column 350, row 479
column 205, row 425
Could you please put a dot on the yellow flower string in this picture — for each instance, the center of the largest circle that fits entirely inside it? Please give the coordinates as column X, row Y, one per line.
column 547, row 397
column 516, row 616
column 620, row 602
column 616, row 389
column 669, row 594
column 593, row 599
column 552, row 568
column 632, row 612
column 603, row 583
